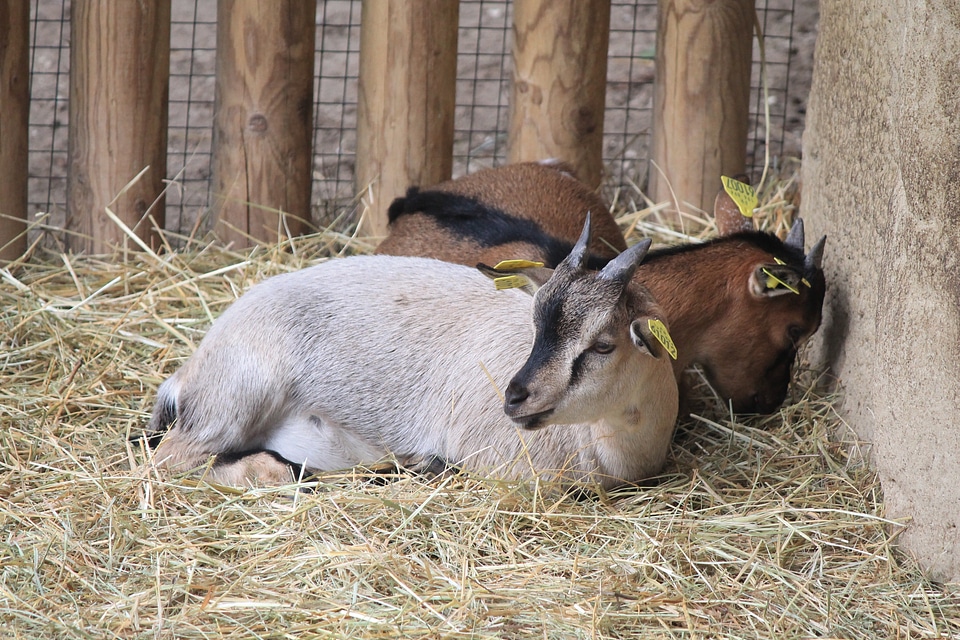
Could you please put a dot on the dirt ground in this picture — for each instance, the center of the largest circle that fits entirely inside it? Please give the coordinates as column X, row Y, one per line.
column 482, row 94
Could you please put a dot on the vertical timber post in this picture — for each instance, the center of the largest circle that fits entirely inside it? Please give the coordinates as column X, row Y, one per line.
column 701, row 97
column 262, row 145
column 15, row 107
column 560, row 83
column 119, row 72
column 405, row 108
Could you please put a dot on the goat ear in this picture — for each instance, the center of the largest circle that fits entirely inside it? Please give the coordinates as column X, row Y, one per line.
column 727, row 214
column 650, row 336
column 770, row 280
column 641, row 341
column 517, row 274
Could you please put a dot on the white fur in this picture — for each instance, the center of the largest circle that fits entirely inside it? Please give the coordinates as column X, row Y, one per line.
column 359, row 358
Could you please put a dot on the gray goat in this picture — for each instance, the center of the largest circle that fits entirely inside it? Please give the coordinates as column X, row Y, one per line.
column 357, row 359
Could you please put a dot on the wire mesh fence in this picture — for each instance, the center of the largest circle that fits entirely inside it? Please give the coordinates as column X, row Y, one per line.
column 483, row 77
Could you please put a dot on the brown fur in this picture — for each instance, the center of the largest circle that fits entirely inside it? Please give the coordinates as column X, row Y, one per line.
column 745, row 341
column 727, row 213
column 717, row 322
column 548, row 194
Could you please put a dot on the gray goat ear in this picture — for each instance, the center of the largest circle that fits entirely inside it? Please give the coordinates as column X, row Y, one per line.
column 578, row 256
column 651, row 336
column 795, row 237
column 525, row 275
column 641, row 341
column 621, row 268
column 812, row 262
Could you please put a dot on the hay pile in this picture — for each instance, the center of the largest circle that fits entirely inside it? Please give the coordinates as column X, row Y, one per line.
column 764, row 528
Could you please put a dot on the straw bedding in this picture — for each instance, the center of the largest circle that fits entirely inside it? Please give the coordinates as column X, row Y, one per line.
column 758, row 528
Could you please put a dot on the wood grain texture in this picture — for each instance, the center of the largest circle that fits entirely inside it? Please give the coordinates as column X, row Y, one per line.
column 405, row 110
column 120, row 66
column 559, row 83
column 15, row 107
column 262, row 141
column 701, row 97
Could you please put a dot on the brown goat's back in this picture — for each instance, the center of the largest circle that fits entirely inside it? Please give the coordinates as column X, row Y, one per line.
column 526, row 210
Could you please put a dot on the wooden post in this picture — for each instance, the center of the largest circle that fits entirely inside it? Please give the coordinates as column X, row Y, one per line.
column 560, row 83
column 263, row 125
column 15, row 107
column 120, row 65
column 701, row 97
column 405, row 108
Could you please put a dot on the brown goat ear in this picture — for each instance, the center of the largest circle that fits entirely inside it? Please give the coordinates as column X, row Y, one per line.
column 517, row 274
column 769, row 280
column 728, row 216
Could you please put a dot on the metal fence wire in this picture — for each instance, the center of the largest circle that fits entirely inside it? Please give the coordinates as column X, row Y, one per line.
column 483, row 76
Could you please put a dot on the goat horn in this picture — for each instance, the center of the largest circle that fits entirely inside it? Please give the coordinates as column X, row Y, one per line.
column 815, row 257
column 621, row 268
column 795, row 237
column 578, row 256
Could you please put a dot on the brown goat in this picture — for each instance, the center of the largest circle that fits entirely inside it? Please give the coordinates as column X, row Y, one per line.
column 740, row 305
column 515, row 210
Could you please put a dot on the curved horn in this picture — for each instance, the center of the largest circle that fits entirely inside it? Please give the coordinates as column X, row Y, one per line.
column 621, row 268
column 795, row 237
column 815, row 257
column 578, row 255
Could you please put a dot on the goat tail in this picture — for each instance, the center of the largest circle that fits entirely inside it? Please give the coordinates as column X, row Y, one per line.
column 165, row 412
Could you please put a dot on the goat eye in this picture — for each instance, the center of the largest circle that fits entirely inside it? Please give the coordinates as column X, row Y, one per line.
column 795, row 332
column 603, row 347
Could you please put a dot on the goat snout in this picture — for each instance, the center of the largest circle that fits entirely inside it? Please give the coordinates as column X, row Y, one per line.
column 516, row 401
column 516, row 395
column 764, row 402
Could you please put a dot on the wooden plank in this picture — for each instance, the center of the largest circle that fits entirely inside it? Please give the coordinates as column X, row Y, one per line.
column 559, row 83
column 405, row 110
column 701, row 98
column 120, row 66
column 15, row 107
column 262, row 143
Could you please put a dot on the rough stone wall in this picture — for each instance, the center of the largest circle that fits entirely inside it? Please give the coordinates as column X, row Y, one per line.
column 882, row 179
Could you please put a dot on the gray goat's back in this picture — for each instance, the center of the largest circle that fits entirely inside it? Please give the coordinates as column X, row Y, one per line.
column 343, row 362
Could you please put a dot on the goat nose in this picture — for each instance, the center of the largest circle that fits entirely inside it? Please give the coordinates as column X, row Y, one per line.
column 516, row 395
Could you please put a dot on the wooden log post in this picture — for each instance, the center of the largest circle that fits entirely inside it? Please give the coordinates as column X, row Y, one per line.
column 405, row 108
column 701, row 98
column 120, row 66
column 559, row 83
column 15, row 107
column 262, row 141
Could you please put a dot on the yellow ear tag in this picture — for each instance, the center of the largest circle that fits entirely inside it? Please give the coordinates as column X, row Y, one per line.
column 773, row 281
column 517, row 264
column 742, row 194
column 659, row 331
column 781, row 262
column 510, row 282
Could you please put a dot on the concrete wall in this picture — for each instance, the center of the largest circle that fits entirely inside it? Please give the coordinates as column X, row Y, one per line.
column 882, row 179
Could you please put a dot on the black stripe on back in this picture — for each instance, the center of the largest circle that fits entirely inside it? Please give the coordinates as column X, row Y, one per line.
column 469, row 219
